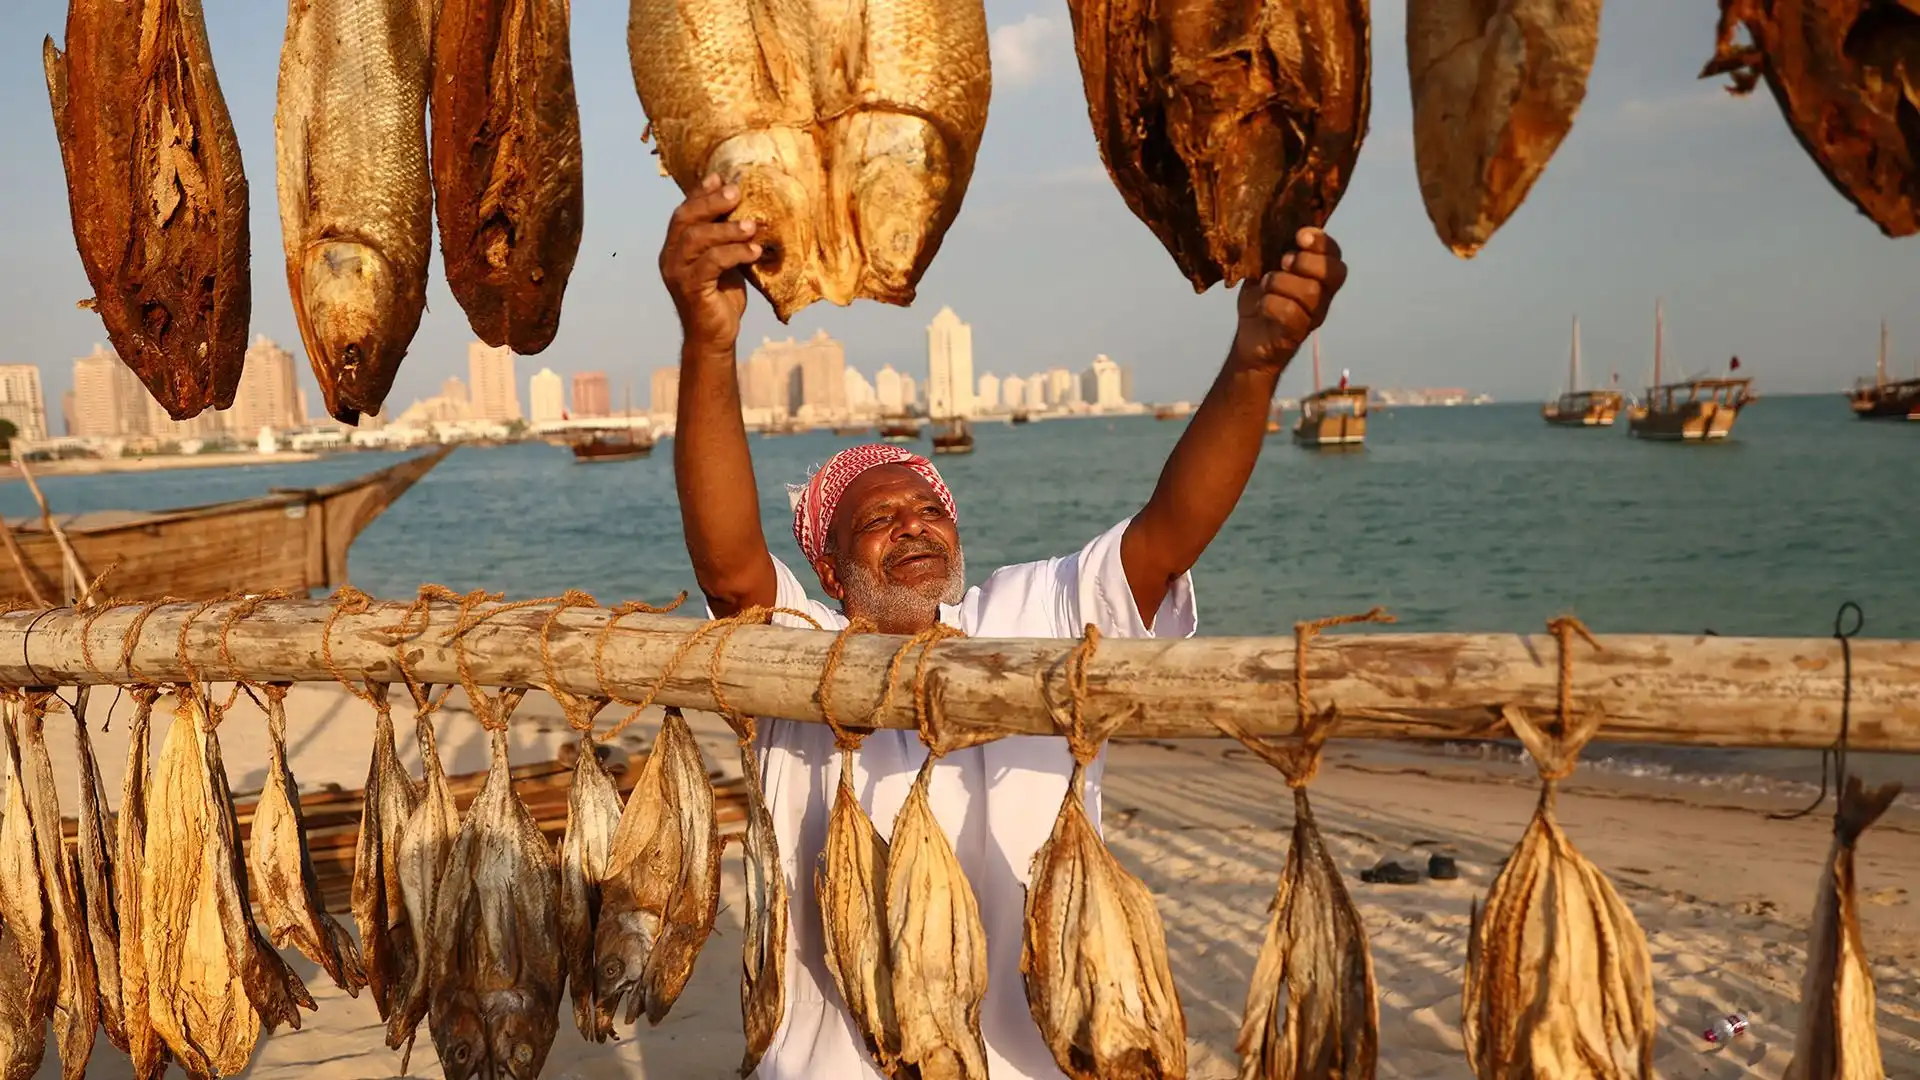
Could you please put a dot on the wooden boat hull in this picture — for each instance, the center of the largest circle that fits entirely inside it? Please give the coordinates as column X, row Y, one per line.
column 1700, row 421
column 953, row 446
column 1894, row 401
column 1335, row 430
column 1583, row 410
column 291, row 539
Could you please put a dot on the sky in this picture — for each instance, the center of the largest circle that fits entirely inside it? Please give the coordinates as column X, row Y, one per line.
column 1667, row 188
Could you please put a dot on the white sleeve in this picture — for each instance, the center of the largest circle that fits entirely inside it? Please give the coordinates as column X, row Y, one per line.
column 790, row 594
column 1105, row 597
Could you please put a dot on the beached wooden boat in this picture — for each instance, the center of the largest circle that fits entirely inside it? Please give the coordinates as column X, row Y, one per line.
column 1700, row 409
column 1884, row 400
column 1333, row 417
column 1582, row 408
column 953, row 436
column 291, row 538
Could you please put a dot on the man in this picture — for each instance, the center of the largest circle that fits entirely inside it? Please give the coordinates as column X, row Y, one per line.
column 880, row 531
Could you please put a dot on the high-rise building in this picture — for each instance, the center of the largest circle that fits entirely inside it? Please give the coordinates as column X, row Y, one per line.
column 268, row 396
column 1100, row 384
column 590, row 394
column 1126, row 382
column 886, row 390
column 949, row 366
column 109, row 401
column 860, row 396
column 1062, row 390
column 546, row 396
column 496, row 393
column 909, row 391
column 989, row 396
column 666, row 391
column 1013, row 392
column 207, row 424
column 21, row 402
column 785, row 377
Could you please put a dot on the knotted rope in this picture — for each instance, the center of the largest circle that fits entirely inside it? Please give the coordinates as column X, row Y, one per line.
column 1300, row 763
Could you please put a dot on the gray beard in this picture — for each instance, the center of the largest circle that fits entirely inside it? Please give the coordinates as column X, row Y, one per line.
column 873, row 596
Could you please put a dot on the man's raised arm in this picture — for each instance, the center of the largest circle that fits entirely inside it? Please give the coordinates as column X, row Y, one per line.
column 1210, row 465
column 712, row 469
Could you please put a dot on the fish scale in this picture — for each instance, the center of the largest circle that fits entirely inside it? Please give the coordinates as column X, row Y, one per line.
column 356, row 201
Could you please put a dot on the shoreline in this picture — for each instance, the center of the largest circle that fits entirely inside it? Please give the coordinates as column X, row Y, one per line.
column 161, row 463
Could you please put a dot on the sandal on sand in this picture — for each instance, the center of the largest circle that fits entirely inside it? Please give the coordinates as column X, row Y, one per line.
column 1390, row 873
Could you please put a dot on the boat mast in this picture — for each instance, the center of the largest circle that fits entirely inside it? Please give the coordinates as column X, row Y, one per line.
column 1659, row 320
column 1573, row 375
column 1316, row 362
column 1880, row 369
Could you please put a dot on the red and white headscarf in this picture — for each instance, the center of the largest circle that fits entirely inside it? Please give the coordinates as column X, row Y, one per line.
column 814, row 501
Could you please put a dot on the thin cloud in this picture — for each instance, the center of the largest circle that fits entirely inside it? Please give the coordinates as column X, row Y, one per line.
column 1073, row 176
column 1025, row 50
column 1702, row 109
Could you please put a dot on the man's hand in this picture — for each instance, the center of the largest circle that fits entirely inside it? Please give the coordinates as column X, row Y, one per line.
column 700, row 262
column 1279, row 311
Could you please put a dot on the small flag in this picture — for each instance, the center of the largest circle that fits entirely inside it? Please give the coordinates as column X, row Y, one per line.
column 1343, row 378
column 1736, row 364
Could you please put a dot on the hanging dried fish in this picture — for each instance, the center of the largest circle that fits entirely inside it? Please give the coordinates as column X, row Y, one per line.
column 764, row 945
column 1095, row 957
column 283, row 876
column 157, row 194
column 1838, row 1039
column 936, row 946
column 356, row 201
column 144, row 1045
column 95, row 878
column 1558, row 978
column 506, row 163
column 425, row 842
column 1311, row 1010
column 379, row 907
column 593, row 816
column 200, row 956
column 662, row 891
column 76, row 1007
column 1495, row 89
column 1227, row 125
column 497, row 973
column 851, row 885
column 29, row 972
column 1842, row 72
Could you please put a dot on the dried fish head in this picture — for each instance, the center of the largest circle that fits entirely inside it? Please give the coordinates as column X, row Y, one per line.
column 459, row 1034
column 621, row 944
column 1095, row 959
column 1495, row 87
column 850, row 883
column 283, row 874
column 29, row 977
column 1842, row 73
column 1558, row 977
column 593, row 816
column 764, row 945
column 1226, row 125
column 1311, row 1010
column 523, row 1027
column 937, row 946
column 1837, row 1037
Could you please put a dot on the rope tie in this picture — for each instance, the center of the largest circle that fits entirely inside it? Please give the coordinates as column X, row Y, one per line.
column 246, row 606
column 347, row 601
column 614, row 615
column 726, row 627
column 1835, row 756
column 579, row 711
column 1085, row 746
column 842, row 738
column 1557, row 752
column 1299, row 763
column 86, row 630
column 276, row 711
column 139, row 624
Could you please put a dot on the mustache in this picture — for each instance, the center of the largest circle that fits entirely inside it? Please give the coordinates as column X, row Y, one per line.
column 913, row 546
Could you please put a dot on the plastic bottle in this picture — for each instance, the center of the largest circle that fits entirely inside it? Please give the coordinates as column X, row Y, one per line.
column 1724, row 1029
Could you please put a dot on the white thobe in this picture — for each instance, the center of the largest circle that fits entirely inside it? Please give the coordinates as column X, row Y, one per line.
column 997, row 804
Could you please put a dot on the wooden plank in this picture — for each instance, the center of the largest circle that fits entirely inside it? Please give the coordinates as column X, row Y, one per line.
column 1676, row 689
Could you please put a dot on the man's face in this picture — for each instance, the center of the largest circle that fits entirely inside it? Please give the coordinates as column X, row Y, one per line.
column 893, row 553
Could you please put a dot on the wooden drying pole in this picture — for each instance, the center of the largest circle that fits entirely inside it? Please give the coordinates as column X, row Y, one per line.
column 1673, row 689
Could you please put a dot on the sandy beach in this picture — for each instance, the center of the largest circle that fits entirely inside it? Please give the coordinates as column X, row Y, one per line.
column 1722, row 893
